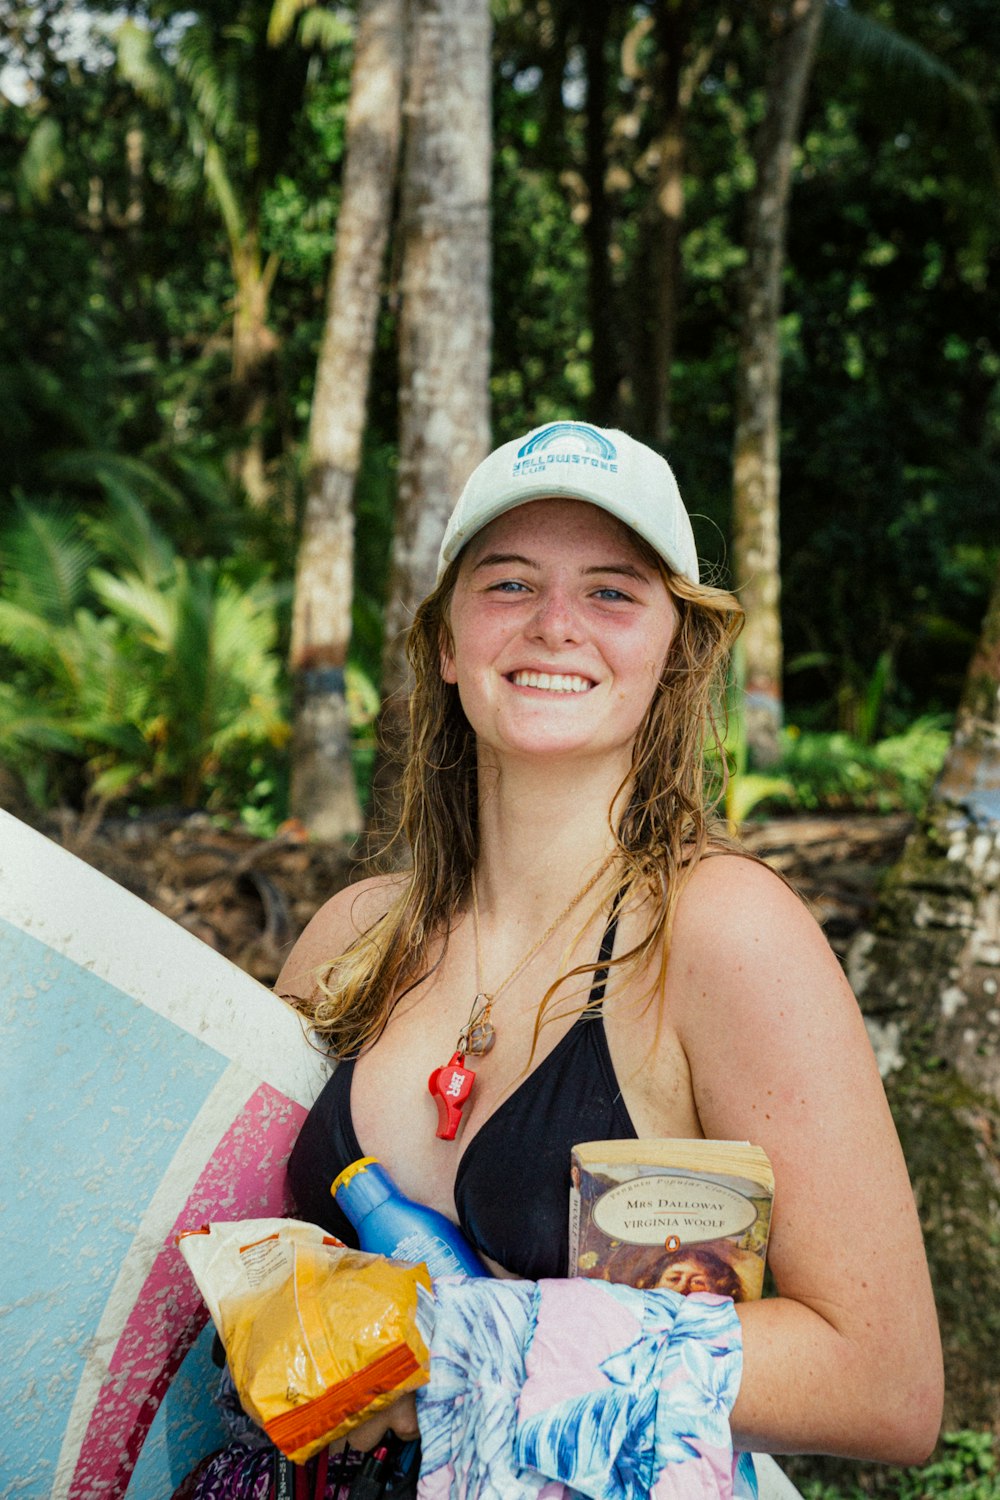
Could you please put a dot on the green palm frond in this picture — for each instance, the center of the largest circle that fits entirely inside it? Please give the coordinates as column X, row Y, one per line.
column 42, row 161
column 172, row 673
column 110, row 682
column 211, row 654
column 141, row 66
column 24, row 726
column 246, row 633
column 198, row 67
column 74, row 672
column 28, row 635
column 747, row 790
column 246, row 684
column 319, row 26
column 202, row 479
column 904, row 81
column 239, row 31
column 198, row 102
column 118, row 474
column 117, row 779
column 127, row 536
column 44, row 562
column 284, row 14
column 325, row 30
column 139, row 602
column 108, row 734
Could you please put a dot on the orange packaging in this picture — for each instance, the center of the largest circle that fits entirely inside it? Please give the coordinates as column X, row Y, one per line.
column 318, row 1338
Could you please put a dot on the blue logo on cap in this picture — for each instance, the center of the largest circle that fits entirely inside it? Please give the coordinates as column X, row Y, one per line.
column 566, row 443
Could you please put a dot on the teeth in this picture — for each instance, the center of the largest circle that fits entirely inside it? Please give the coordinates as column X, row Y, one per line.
column 552, row 682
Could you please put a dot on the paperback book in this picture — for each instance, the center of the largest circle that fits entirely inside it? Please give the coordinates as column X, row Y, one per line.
column 689, row 1215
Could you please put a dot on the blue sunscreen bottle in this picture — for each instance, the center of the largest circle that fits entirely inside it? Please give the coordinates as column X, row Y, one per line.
column 388, row 1223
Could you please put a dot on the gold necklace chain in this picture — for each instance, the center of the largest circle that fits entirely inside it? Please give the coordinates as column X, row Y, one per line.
column 478, row 1034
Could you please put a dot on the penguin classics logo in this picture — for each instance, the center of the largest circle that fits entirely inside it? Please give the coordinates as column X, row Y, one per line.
column 571, row 443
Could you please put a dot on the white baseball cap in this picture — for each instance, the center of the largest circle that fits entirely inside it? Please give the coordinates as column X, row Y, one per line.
column 576, row 461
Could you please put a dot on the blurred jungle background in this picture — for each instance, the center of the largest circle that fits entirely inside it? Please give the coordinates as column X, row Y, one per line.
column 274, row 275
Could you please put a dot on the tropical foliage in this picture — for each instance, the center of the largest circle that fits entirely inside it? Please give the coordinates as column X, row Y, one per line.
column 167, row 176
column 139, row 672
column 966, row 1468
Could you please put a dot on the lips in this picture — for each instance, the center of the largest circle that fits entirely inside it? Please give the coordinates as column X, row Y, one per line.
column 552, row 682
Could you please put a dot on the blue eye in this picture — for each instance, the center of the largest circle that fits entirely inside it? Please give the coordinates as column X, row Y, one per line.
column 507, row 586
column 609, row 593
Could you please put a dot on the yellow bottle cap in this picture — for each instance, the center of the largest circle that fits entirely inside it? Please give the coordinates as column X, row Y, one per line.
column 344, row 1177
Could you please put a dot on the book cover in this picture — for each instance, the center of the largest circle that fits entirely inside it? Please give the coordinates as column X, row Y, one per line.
column 689, row 1215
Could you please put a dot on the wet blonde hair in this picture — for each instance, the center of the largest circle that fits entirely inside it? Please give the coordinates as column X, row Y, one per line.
column 676, row 779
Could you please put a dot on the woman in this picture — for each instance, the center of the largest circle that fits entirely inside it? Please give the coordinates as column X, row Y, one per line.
column 571, row 908
column 694, row 1268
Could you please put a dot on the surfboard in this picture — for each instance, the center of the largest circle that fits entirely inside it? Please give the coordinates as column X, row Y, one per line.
column 147, row 1085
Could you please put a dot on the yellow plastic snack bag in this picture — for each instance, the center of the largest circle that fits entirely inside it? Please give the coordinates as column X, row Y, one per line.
column 318, row 1337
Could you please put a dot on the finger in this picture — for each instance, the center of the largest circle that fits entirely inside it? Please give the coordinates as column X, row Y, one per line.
column 368, row 1435
column 400, row 1418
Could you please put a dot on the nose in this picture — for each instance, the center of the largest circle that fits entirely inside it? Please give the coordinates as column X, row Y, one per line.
column 555, row 621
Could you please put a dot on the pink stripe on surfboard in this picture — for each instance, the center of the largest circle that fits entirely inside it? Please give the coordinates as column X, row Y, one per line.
column 168, row 1313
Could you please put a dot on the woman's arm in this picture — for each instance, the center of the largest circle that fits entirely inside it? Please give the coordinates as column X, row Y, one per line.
column 846, row 1359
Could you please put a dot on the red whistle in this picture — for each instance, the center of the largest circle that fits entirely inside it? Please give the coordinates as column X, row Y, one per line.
column 451, row 1087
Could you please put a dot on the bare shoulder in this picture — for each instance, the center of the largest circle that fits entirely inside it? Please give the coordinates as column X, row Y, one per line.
column 759, row 997
column 748, row 887
column 338, row 923
column 736, row 915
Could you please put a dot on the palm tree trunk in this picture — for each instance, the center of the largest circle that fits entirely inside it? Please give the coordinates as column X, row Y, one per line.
column 938, row 927
column 756, row 466
column 927, row 976
column 681, row 66
column 445, row 324
column 254, row 346
column 323, row 793
column 665, row 226
column 595, row 21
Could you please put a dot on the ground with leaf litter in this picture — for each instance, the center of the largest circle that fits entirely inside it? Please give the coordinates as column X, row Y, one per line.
column 249, row 898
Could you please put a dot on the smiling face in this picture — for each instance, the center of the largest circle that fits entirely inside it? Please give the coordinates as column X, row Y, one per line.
column 560, row 628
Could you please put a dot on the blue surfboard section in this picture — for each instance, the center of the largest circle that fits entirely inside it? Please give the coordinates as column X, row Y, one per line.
column 96, row 1093
column 185, row 1428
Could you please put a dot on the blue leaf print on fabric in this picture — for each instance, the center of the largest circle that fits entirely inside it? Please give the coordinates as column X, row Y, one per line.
column 745, row 1486
column 468, row 1410
column 594, row 1443
column 667, row 1398
column 696, row 1411
column 660, row 1403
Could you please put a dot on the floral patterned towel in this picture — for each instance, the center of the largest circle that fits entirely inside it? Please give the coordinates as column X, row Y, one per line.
column 562, row 1389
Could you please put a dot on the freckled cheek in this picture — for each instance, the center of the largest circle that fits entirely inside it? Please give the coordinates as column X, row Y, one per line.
column 650, row 676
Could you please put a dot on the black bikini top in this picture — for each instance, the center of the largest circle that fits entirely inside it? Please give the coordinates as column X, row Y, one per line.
column 512, row 1184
